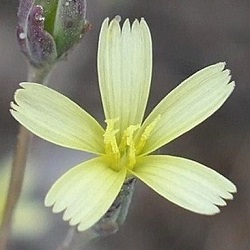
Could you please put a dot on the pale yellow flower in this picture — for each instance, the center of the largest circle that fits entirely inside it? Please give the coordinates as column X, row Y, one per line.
column 123, row 149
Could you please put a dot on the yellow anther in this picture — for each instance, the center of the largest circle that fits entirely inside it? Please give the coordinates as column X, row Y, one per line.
column 146, row 133
column 127, row 145
column 128, row 136
column 111, row 147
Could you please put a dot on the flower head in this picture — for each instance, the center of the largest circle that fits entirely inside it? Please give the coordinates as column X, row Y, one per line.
column 123, row 148
column 48, row 29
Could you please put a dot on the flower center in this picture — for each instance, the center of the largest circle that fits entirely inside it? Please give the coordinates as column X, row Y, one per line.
column 122, row 154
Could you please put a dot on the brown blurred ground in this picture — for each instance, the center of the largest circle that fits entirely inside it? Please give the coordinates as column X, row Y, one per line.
column 187, row 35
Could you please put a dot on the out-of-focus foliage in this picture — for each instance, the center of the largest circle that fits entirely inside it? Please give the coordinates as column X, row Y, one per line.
column 30, row 219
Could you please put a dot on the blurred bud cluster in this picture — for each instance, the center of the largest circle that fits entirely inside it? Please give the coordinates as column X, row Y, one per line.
column 47, row 29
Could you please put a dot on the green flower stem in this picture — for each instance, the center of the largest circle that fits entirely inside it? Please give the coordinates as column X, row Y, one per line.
column 24, row 138
column 16, row 181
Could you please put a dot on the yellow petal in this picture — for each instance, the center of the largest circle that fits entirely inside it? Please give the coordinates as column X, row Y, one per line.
column 85, row 192
column 56, row 118
column 187, row 105
column 124, row 70
column 186, row 183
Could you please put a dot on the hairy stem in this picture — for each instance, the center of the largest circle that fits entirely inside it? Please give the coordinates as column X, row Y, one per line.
column 24, row 138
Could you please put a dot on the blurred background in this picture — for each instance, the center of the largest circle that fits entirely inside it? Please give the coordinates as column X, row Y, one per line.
column 187, row 36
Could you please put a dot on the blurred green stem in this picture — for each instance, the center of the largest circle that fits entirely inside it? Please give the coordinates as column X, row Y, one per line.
column 76, row 240
column 24, row 138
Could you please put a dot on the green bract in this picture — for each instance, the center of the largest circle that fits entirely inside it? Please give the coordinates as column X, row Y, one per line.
column 123, row 148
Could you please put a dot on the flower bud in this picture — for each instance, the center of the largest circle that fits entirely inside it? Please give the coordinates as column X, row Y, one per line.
column 48, row 29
